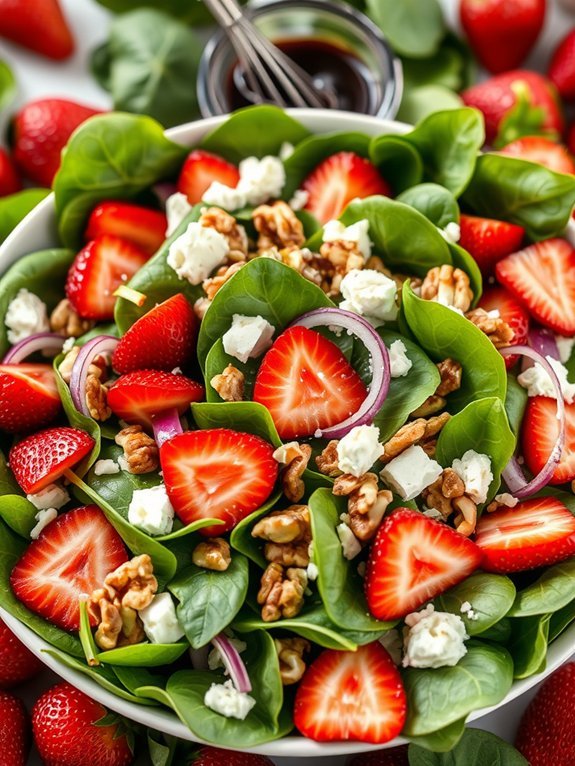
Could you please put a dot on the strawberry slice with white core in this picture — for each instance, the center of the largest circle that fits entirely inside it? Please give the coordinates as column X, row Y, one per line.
column 199, row 172
column 488, row 240
column 351, row 696
column 542, row 277
column 29, row 397
column 217, row 474
column 307, row 384
column 144, row 227
column 412, row 560
column 540, row 431
column 535, row 533
column 70, row 559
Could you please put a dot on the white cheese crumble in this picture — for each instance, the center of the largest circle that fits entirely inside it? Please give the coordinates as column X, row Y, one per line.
column 299, row 199
column 411, row 472
column 69, row 344
column 474, row 469
column 468, row 611
column 334, row 231
column 43, row 518
column 151, row 511
column 399, row 362
column 197, row 252
column 350, row 545
column 261, row 179
column 370, row 294
column 565, row 347
column 391, row 641
column 226, row 197
column 286, row 453
column 433, row 639
column 451, row 233
column 52, row 496
column 358, row 450
column 160, row 620
column 26, row 315
column 123, row 462
column 177, row 208
column 106, row 467
column 506, row 499
column 226, row 700
column 538, row 383
column 215, row 658
column 248, row 337
column 312, row 572
column 286, row 151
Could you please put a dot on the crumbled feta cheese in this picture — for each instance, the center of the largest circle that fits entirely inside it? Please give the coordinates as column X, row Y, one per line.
column 370, row 294
column 43, row 518
column 358, row 450
column 160, row 620
column 474, row 469
column 299, row 199
column 349, row 543
column 400, row 363
column 197, row 252
column 453, row 308
column 565, row 347
column 26, row 315
column 151, row 511
column 177, row 208
column 286, row 151
column 334, row 231
column 106, row 467
column 248, row 337
column 261, row 179
column 123, row 462
column 52, row 496
column 391, row 641
column 215, row 658
column 538, row 383
column 434, row 639
column 468, row 611
column 411, row 472
column 312, row 572
column 506, row 499
column 286, row 453
column 494, row 314
column 451, row 233
column 227, row 197
column 226, row 700
column 69, row 344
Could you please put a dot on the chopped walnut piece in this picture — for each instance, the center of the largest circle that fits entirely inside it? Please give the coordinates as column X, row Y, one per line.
column 328, row 461
column 429, row 407
column 342, row 256
column 226, row 224
column 281, row 592
column 97, row 398
column 65, row 321
column 201, row 306
column 288, row 554
column 229, row 384
column 213, row 284
column 447, row 495
column 290, row 654
column 98, row 366
column 466, row 519
column 213, row 554
column 375, row 263
column 452, row 484
column 497, row 330
column 450, row 372
column 365, row 525
column 133, row 582
column 448, row 286
column 277, row 225
column 288, row 526
column 415, row 432
column 366, row 504
column 140, row 450
column 297, row 458
column 110, row 624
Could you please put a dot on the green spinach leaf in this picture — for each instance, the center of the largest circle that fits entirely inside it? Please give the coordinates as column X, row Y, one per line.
column 553, row 590
column 475, row 748
column 490, row 596
column 7, row 85
column 413, row 27
column 515, row 403
column 143, row 655
column 560, row 620
column 442, row 740
column 424, row 100
column 435, row 202
column 249, row 417
column 500, row 632
column 528, row 644
column 19, row 514
column 15, row 207
column 216, row 362
column 399, row 162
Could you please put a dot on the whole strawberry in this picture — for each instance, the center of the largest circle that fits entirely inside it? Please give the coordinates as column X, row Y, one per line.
column 393, row 756
column 17, row 663
column 41, row 129
column 14, row 731
column 9, row 181
column 215, row 756
column 562, row 67
column 70, row 729
column 37, row 24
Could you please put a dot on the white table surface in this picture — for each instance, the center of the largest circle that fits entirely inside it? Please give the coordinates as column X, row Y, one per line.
column 39, row 77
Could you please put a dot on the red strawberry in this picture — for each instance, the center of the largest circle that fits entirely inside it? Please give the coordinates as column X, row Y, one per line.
column 539, row 435
column 97, row 271
column 498, row 95
column 70, row 729
column 561, row 70
column 339, row 179
column 307, row 383
column 502, row 32
column 200, row 170
column 543, row 151
column 512, row 312
column 17, row 663
column 70, row 559
column 217, row 474
column 29, row 397
column 488, row 240
column 41, row 130
column 37, row 24
column 162, row 339
column 9, row 181
column 213, row 756
column 571, row 138
column 545, row 735
column 542, row 277
column 137, row 396
column 142, row 226
column 40, row 459
column 412, row 560
column 351, row 696
column 393, row 756
column 14, row 731
column 535, row 533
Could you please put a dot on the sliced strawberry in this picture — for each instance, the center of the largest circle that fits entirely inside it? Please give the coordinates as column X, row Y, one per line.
column 69, row 560
column 142, row 226
column 29, row 397
column 162, row 339
column 97, row 271
column 217, row 474
column 543, row 151
column 339, row 179
column 9, row 181
column 412, row 560
column 307, row 383
column 562, row 67
column 137, row 396
column 40, row 459
column 542, row 277
column 512, row 312
column 200, row 170
column 539, row 436
column 351, row 696
column 535, row 533
column 488, row 241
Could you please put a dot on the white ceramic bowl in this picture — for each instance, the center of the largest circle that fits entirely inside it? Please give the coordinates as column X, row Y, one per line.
column 38, row 231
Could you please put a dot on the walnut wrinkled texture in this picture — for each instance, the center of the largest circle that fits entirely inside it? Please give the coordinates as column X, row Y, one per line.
column 328, row 461
column 290, row 653
column 288, row 526
column 281, row 592
column 450, row 373
column 277, row 226
column 201, row 306
column 448, row 286
column 366, row 505
column 229, row 384
column 300, row 259
column 65, row 321
column 498, row 331
column 297, row 459
column 417, row 431
column 223, row 274
column 339, row 258
column 447, row 495
column 140, row 450
column 97, row 398
column 429, row 407
column 213, row 554
column 227, row 226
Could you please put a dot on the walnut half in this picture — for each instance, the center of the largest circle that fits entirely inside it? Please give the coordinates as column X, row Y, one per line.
column 281, row 592
column 140, row 450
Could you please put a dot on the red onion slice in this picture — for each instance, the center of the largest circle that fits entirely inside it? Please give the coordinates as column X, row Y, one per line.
column 379, row 386
column 513, row 473
column 233, row 663
column 41, row 341
column 543, row 341
column 101, row 344
column 166, row 425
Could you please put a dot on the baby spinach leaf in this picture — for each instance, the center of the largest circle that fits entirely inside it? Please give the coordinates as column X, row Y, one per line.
column 448, row 67
column 144, row 655
column 442, row 740
column 553, row 590
column 194, row 12
column 475, row 748
column 500, row 632
column 490, row 596
column 18, row 513
column 241, row 539
column 110, row 156
column 434, row 202
column 399, row 162
column 413, row 27
column 140, row 682
column 209, row 600
column 249, row 417
column 424, row 100
column 521, row 192
column 515, row 403
column 437, row 697
column 8, row 484
column 15, row 207
column 528, row 644
column 560, row 620
column 7, row 85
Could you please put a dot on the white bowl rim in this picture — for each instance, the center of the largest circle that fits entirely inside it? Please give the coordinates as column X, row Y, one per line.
column 40, row 222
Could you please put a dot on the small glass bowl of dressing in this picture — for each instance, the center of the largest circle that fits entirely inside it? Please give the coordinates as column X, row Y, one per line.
column 336, row 44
